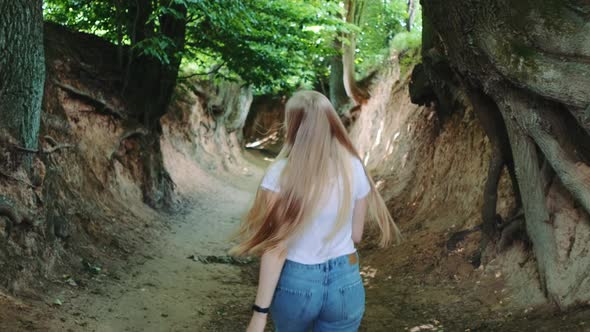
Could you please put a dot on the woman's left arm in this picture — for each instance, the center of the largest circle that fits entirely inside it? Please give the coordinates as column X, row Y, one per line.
column 271, row 264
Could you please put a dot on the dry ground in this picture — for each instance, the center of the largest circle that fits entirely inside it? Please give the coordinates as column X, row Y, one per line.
column 417, row 286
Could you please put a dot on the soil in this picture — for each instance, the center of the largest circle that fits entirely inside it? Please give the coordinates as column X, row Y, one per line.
column 165, row 287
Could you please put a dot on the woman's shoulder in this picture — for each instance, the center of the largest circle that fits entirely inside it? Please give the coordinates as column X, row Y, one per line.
column 273, row 172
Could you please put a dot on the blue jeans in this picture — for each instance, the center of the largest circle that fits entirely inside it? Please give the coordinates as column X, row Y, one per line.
column 320, row 297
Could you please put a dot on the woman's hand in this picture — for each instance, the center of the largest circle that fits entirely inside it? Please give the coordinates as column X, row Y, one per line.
column 257, row 322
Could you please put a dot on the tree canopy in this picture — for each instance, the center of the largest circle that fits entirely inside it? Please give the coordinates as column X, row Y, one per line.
column 383, row 26
column 275, row 45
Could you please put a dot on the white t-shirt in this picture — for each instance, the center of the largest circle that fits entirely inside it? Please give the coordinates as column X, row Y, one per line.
column 310, row 246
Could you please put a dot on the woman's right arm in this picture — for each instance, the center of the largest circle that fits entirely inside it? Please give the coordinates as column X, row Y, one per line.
column 358, row 218
column 271, row 265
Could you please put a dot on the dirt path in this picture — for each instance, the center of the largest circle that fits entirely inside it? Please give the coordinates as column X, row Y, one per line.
column 163, row 290
column 166, row 291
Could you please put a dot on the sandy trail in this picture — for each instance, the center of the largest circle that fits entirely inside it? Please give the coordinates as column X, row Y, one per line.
column 163, row 290
column 166, row 291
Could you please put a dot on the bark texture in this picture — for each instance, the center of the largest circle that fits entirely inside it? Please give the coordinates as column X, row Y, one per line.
column 411, row 14
column 22, row 69
column 338, row 95
column 152, row 82
column 525, row 67
column 354, row 9
column 148, row 86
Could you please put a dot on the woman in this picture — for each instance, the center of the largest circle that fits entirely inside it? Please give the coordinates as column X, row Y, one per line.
column 307, row 215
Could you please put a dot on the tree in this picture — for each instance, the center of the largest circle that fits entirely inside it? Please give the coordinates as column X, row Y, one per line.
column 411, row 14
column 270, row 44
column 152, row 76
column 354, row 12
column 264, row 43
column 151, row 37
column 524, row 66
column 22, row 69
column 149, row 68
column 373, row 28
column 338, row 95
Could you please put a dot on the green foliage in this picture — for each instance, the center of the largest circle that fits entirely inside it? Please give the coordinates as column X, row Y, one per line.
column 97, row 17
column 407, row 40
column 384, row 27
column 272, row 44
column 275, row 45
column 157, row 47
column 409, row 59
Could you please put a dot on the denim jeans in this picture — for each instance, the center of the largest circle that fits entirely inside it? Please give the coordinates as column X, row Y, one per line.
column 320, row 297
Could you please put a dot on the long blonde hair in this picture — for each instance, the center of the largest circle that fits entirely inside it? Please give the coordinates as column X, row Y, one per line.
column 316, row 147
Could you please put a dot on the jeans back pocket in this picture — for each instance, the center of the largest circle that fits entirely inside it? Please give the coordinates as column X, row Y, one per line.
column 291, row 304
column 353, row 300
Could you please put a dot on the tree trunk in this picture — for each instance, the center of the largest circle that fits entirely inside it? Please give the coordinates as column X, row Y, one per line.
column 552, row 217
column 338, row 95
column 538, row 219
column 22, row 69
column 353, row 13
column 149, row 88
column 491, row 120
column 152, row 82
column 157, row 185
column 411, row 14
column 531, row 58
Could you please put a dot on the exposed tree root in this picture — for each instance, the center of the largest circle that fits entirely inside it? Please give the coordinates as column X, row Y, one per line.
column 548, row 176
column 459, row 236
column 13, row 178
column 491, row 120
column 126, row 135
column 8, row 212
column 513, row 230
column 55, row 122
column 489, row 215
column 46, row 151
column 583, row 117
column 544, row 126
column 58, row 147
column 100, row 105
column 531, row 181
column 14, row 217
column 546, row 116
column 51, row 140
column 575, row 175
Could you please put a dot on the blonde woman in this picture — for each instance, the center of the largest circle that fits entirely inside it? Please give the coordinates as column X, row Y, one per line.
column 307, row 215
